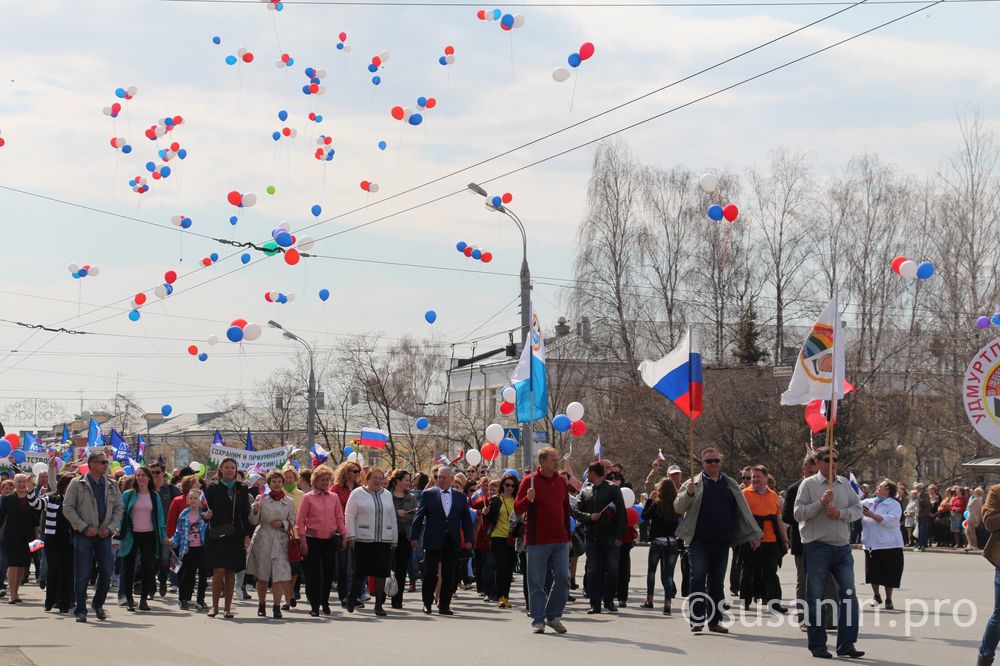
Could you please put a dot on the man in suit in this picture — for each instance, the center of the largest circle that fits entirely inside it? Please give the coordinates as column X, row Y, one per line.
column 443, row 522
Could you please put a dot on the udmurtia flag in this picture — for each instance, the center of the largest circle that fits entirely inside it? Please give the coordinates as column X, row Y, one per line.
column 819, row 368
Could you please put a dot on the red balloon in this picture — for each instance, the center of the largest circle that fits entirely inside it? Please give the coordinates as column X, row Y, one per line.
column 397, row 112
column 115, row 108
column 449, row 50
column 364, row 185
column 286, row 131
column 312, row 116
column 151, row 133
column 2, row 142
column 897, row 262
column 376, row 61
column 314, row 88
column 731, row 212
column 507, row 197
column 170, row 277
column 140, row 299
column 239, row 323
column 467, row 251
column 431, row 102
column 14, row 439
column 292, row 256
column 481, row 14
column 193, row 350
column 633, row 516
column 178, row 120
column 267, row 297
column 156, row 175
column 506, row 408
column 247, row 57
column 506, row 27
column 578, row 428
column 206, row 261
column 175, row 146
column 586, row 50
column 489, row 451
column 343, row 36
column 235, row 198
column 285, row 57
column 486, row 257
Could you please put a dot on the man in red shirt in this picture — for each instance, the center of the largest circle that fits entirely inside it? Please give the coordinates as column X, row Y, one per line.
column 544, row 498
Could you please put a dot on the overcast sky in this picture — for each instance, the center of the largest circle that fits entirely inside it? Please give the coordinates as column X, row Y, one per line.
column 896, row 92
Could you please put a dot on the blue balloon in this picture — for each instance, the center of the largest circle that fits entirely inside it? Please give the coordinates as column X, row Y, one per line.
column 5, row 448
column 430, row 316
column 340, row 46
column 638, row 509
column 421, row 102
column 377, row 80
column 507, row 446
column 348, row 450
column 305, row 89
column 133, row 315
column 422, row 423
column 234, row 333
column 230, row 60
column 245, row 257
column 316, row 210
column 715, row 212
column 442, row 60
column 319, row 118
column 169, row 288
column 82, row 272
column 315, row 80
column 995, row 319
column 282, row 115
column 169, row 122
column 216, row 40
column 164, row 171
column 497, row 14
column 561, row 423
column 282, row 298
column 203, row 356
column 382, row 145
column 574, row 60
column 186, row 223
column 233, row 219
column 477, row 254
column 182, row 153
column 126, row 149
column 461, row 245
column 507, row 21
column 496, row 201
column 291, row 61
column 310, row 72
column 120, row 93
column 279, row 6
column 18, row 456
column 162, row 154
column 214, row 256
column 150, row 167
column 129, row 470
column 324, row 294
column 275, row 135
column 166, row 409
column 511, row 472
column 925, row 270
column 416, row 119
column 284, row 239
column 373, row 68
column 76, row 276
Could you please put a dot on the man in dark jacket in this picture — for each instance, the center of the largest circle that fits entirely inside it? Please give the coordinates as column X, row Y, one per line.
column 601, row 511
column 925, row 518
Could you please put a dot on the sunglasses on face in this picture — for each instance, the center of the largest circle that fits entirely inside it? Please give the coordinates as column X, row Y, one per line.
column 712, row 461
column 509, row 485
column 747, row 478
column 355, row 471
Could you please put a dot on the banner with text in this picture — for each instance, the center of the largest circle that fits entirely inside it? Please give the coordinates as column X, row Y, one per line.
column 247, row 460
column 33, row 457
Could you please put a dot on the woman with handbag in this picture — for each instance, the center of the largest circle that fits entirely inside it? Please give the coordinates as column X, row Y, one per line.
column 228, row 533
column 142, row 532
column 497, row 516
column 269, row 559
column 321, row 528
column 371, row 534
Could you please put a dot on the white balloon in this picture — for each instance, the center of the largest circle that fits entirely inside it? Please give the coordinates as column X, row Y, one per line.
column 509, row 394
column 273, row 295
column 131, row 91
column 213, row 340
column 195, row 466
column 241, row 51
column 628, row 496
column 320, row 73
column 176, row 220
column 94, row 270
column 473, row 457
column 356, row 457
column 39, row 468
column 709, row 182
column 320, row 90
column 251, row 332
column 450, row 59
column 384, row 55
column 284, row 226
column 249, row 199
column 494, row 433
column 290, row 297
column 908, row 269
column 159, row 132
column 373, row 187
column 106, row 110
column 518, row 20
column 560, row 74
column 407, row 112
column 72, row 268
column 574, row 411
column 294, row 132
column 280, row 64
column 306, row 243
column 347, row 48
column 160, row 291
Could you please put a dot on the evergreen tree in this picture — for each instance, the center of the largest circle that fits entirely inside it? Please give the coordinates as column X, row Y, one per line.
column 747, row 351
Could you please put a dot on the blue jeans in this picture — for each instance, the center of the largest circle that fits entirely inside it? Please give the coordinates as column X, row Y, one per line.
column 924, row 527
column 85, row 551
column 664, row 557
column 991, row 636
column 602, row 570
column 823, row 560
column 543, row 558
column 708, row 562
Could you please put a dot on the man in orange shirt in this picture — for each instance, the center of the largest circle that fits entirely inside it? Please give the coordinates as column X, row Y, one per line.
column 759, row 577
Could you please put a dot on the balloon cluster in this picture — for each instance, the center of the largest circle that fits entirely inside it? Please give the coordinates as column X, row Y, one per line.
column 315, row 85
column 497, row 443
column 497, row 201
column 167, row 288
column 162, row 126
column 376, row 64
column 241, row 329
column 284, row 61
column 342, row 44
column 507, row 21
column 508, row 398
column 210, row 259
column 474, row 252
column 139, row 185
column 323, row 153
column 560, row 74
column 126, row 93
column 157, row 172
column 243, row 54
column 911, row 269
column 571, row 421
column 984, row 322
column 278, row 297
column 112, row 110
column 241, row 200
column 449, row 56
column 121, row 143
column 274, row 6
column 289, row 132
column 406, row 114
column 9, row 444
column 282, row 237
column 369, row 186
column 182, row 221
column 193, row 351
column 709, row 183
column 315, row 117
column 83, row 271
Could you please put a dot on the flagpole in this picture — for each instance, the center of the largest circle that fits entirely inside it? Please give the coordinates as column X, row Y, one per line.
column 833, row 391
column 691, row 444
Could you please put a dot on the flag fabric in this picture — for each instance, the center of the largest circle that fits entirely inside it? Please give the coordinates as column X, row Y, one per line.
column 597, row 450
column 318, row 454
column 819, row 370
column 442, row 459
column 135, row 464
column 94, row 435
column 32, row 444
column 140, row 447
column 36, row 545
column 660, row 456
column 67, row 455
column 120, row 446
column 250, row 441
column 476, row 497
column 678, row 376
column 529, row 378
column 217, row 439
column 816, row 411
column 373, row 437
column 856, row 486
column 65, row 435
column 461, row 454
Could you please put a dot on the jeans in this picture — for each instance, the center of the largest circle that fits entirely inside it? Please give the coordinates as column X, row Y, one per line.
column 924, row 526
column 708, row 575
column 543, row 558
column 664, row 557
column 86, row 551
column 991, row 635
column 344, row 576
column 602, row 570
column 822, row 560
column 485, row 568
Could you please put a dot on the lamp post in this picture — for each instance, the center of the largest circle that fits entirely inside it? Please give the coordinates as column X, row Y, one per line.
column 311, row 391
column 527, row 440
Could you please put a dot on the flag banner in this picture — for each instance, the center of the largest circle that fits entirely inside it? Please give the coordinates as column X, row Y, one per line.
column 597, row 450
column 94, row 435
column 529, row 379
column 120, row 448
column 819, row 369
column 218, row 439
column 140, row 444
column 678, row 376
column 32, row 458
column 31, row 443
column 442, row 459
column 247, row 460
column 981, row 392
column 249, row 441
column 373, row 437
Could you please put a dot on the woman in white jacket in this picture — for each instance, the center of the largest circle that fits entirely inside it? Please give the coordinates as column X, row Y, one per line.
column 883, row 542
column 371, row 533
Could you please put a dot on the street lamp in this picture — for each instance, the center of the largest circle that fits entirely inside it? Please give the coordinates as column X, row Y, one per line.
column 527, row 441
column 311, row 395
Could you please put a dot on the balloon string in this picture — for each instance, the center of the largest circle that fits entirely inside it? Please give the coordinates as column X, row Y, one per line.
column 274, row 22
column 79, row 297
column 513, row 72
column 576, row 77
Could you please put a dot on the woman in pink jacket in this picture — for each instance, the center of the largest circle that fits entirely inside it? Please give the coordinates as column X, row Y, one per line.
column 321, row 531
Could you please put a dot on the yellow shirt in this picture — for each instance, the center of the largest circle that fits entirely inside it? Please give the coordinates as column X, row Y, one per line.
column 502, row 528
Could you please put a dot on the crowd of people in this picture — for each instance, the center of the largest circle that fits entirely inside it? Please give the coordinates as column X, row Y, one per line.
column 371, row 535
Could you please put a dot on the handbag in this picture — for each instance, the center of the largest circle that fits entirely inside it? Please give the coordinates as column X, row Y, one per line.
column 294, row 552
column 391, row 584
column 220, row 532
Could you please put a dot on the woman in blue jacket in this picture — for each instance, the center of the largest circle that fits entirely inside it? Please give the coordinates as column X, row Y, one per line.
column 142, row 532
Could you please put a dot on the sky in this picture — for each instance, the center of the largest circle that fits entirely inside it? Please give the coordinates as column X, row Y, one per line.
column 65, row 198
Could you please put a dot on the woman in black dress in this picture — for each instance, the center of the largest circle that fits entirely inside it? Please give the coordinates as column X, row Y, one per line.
column 18, row 519
column 228, row 533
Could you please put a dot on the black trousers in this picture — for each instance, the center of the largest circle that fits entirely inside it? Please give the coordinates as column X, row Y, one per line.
column 447, row 557
column 624, row 571
column 321, row 568
column 191, row 566
column 59, row 586
column 144, row 547
column 503, row 555
column 401, row 564
column 759, row 578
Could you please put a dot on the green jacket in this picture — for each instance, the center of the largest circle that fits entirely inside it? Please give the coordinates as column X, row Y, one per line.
column 126, row 531
column 746, row 528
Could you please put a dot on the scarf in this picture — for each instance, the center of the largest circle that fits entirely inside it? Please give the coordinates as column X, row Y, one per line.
column 277, row 495
column 228, row 484
column 290, row 487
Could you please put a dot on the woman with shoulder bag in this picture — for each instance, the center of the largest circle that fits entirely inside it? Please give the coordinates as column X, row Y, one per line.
column 228, row 533
column 498, row 516
column 269, row 555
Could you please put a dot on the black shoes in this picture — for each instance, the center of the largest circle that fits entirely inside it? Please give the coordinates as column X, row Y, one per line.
column 427, row 610
column 666, row 609
column 184, row 605
column 130, row 605
column 201, row 605
column 260, row 611
column 594, row 611
column 445, row 611
column 822, row 654
column 611, row 608
column 379, row 611
column 646, row 604
column 101, row 615
column 314, row 613
column 143, row 606
column 888, row 605
column 163, row 588
column 276, row 612
column 326, row 609
column 851, row 654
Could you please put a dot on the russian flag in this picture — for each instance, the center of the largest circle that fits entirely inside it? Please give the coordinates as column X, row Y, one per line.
column 442, row 459
column 374, row 438
column 678, row 376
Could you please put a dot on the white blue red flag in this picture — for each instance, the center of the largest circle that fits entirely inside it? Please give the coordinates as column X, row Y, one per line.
column 373, row 437
column 678, row 376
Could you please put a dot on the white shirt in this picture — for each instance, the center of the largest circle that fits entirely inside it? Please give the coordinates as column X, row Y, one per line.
column 446, row 501
column 884, row 535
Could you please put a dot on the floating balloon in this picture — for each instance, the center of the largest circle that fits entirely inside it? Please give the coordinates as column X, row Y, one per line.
column 245, row 258
column 193, row 350
column 473, row 457
column 234, row 333
column 382, row 145
column 908, row 269
column 324, row 294
column 731, row 212
column 715, row 212
column 489, row 451
column 586, row 51
column 430, row 316
column 507, row 446
column 561, row 423
column 292, row 256
column 203, row 357
column 509, row 394
column 578, row 428
column 925, row 270
column 574, row 411
column 166, row 410
column 216, row 40
column 897, row 262
column 560, row 74
column 133, row 315
column 252, row 332
column 422, row 423
column 983, row 322
column 494, row 433
column 316, row 210
column 506, row 408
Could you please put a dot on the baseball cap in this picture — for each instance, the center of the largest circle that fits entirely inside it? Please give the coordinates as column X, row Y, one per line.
column 674, row 469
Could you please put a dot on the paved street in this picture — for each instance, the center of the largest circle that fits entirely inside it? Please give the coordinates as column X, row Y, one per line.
column 487, row 635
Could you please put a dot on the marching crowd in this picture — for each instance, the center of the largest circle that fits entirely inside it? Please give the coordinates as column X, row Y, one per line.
column 370, row 535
